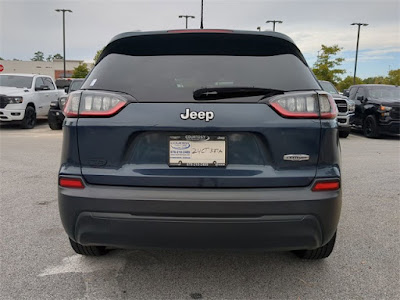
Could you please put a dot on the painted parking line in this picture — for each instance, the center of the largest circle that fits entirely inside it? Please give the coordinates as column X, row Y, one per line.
column 81, row 264
column 89, row 268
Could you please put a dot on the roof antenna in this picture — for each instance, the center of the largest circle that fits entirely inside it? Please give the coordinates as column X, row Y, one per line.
column 201, row 22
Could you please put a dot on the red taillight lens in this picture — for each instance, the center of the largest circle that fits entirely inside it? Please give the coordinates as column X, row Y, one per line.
column 326, row 186
column 296, row 105
column 75, row 183
column 100, row 104
column 305, row 105
column 94, row 104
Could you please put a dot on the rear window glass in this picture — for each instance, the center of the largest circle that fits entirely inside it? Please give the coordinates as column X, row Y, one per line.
column 384, row 92
column 75, row 85
column 328, row 87
column 174, row 78
column 16, row 81
column 170, row 73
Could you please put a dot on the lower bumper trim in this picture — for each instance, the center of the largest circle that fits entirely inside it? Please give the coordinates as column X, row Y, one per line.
column 274, row 232
column 392, row 127
column 11, row 115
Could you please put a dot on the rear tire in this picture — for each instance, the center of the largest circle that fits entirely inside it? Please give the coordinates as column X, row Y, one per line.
column 370, row 128
column 88, row 250
column 319, row 253
column 29, row 120
column 344, row 134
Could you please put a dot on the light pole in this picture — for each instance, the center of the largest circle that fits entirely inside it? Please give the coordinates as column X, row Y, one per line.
column 201, row 21
column 358, row 38
column 274, row 21
column 186, row 17
column 63, row 11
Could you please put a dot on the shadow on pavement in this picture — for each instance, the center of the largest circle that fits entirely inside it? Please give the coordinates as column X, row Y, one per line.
column 383, row 136
column 16, row 125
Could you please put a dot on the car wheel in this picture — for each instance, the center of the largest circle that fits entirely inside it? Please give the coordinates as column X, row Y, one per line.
column 319, row 253
column 344, row 134
column 29, row 120
column 88, row 250
column 370, row 127
column 54, row 125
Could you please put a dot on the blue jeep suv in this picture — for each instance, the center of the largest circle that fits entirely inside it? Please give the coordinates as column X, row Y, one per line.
column 201, row 139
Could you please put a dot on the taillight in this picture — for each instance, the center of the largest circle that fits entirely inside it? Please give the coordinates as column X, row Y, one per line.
column 327, row 106
column 331, row 185
column 94, row 104
column 309, row 105
column 75, row 183
column 71, row 109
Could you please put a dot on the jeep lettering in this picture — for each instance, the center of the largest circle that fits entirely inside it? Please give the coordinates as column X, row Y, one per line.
column 201, row 115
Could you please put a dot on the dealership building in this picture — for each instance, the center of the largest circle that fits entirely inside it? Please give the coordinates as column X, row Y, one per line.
column 54, row 69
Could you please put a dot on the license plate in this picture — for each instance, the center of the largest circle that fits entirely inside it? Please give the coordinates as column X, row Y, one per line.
column 197, row 151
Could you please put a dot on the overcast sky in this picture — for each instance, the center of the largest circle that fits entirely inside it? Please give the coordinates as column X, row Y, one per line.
column 27, row 26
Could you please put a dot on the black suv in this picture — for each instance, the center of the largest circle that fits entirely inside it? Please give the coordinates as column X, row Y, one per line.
column 201, row 139
column 56, row 115
column 377, row 108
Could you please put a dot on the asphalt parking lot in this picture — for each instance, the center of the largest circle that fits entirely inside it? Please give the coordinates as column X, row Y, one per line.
column 38, row 263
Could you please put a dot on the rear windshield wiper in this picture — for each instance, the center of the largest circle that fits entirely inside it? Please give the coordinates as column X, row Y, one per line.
column 232, row 92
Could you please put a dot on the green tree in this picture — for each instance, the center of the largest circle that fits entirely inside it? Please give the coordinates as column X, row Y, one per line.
column 2, row 58
column 97, row 56
column 369, row 80
column 38, row 56
column 375, row 80
column 80, row 71
column 347, row 82
column 325, row 68
column 57, row 56
column 394, row 77
column 53, row 57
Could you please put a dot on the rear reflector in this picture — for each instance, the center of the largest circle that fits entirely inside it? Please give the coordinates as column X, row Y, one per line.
column 75, row 183
column 326, row 186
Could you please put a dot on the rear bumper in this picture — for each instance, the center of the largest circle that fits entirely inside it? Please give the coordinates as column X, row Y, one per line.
column 271, row 219
column 9, row 115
